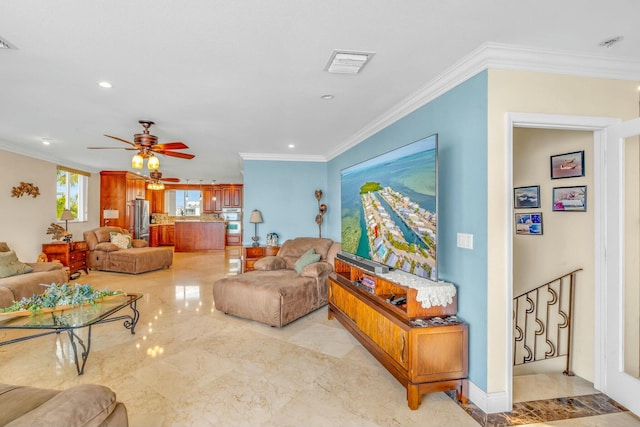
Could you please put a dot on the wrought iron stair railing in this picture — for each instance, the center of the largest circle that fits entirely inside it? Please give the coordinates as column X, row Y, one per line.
column 543, row 322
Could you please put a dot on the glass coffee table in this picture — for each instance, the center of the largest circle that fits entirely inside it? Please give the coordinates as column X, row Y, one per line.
column 69, row 320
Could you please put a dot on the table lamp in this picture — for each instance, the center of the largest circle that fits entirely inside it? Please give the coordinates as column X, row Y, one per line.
column 256, row 218
column 67, row 216
column 108, row 214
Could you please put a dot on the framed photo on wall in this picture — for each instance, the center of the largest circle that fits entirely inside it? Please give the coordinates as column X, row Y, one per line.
column 526, row 197
column 568, row 165
column 570, row 199
column 529, row 223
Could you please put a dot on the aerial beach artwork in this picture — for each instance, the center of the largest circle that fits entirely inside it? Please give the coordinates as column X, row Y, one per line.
column 389, row 208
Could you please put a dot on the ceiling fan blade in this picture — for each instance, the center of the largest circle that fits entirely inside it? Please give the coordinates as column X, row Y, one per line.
column 113, row 148
column 122, row 140
column 109, row 148
column 171, row 146
column 170, row 179
column 175, row 154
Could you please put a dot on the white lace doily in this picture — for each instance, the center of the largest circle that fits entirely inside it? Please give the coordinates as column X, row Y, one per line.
column 430, row 293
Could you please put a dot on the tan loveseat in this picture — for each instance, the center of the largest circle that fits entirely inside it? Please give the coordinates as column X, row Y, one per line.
column 275, row 293
column 25, row 285
column 86, row 405
column 139, row 258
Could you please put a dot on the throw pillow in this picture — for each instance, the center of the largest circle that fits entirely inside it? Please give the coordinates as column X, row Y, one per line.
column 307, row 258
column 11, row 266
column 270, row 263
column 123, row 241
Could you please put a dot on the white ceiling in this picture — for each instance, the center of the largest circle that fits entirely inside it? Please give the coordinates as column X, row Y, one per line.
column 246, row 76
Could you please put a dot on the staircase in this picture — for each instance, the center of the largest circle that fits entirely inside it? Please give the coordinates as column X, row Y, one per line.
column 542, row 322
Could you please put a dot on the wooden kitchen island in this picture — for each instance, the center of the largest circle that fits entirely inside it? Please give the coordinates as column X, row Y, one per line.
column 198, row 236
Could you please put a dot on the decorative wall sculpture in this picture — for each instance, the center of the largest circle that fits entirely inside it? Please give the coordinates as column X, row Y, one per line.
column 25, row 188
column 322, row 208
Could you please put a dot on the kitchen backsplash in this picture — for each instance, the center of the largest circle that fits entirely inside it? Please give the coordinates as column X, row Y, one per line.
column 163, row 218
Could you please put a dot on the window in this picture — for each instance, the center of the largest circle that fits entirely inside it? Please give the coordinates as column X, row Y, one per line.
column 183, row 202
column 71, row 192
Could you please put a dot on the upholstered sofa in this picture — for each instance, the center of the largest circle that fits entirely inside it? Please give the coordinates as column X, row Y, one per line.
column 85, row 405
column 282, row 288
column 27, row 278
column 108, row 254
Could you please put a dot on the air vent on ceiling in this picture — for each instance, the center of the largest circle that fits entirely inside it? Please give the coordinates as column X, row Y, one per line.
column 348, row 62
column 4, row 44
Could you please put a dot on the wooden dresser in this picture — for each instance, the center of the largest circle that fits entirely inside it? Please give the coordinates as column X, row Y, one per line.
column 254, row 253
column 72, row 255
column 424, row 359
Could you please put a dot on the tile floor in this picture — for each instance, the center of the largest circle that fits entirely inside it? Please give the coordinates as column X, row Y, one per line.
column 189, row 365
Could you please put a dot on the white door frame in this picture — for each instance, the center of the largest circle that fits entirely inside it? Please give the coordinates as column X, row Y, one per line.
column 584, row 123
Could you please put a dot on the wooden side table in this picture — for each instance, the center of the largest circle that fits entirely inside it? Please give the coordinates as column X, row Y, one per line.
column 72, row 255
column 254, row 253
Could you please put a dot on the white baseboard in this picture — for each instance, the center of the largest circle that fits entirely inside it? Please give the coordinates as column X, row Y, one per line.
column 489, row 403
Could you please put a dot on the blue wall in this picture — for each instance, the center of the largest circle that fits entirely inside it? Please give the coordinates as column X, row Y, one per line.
column 459, row 117
column 283, row 192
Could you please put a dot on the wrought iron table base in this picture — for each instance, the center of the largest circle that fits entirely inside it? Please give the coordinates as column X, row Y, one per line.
column 130, row 322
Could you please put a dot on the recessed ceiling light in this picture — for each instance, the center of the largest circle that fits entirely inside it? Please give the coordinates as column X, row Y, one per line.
column 105, row 84
column 327, row 97
column 348, row 62
column 291, row 146
column 46, row 141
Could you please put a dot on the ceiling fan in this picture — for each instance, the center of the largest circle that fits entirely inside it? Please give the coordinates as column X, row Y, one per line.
column 156, row 181
column 147, row 146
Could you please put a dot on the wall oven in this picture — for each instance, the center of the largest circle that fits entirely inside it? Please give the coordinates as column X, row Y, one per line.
column 233, row 217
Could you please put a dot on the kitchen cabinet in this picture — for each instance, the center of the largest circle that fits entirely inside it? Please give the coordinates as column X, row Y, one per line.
column 162, row 235
column 119, row 190
column 154, row 236
column 166, row 235
column 212, row 199
column 232, row 196
column 156, row 201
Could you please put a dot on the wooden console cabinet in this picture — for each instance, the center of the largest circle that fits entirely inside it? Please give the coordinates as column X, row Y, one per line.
column 423, row 359
column 72, row 255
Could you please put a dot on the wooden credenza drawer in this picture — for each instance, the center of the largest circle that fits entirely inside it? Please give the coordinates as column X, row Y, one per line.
column 254, row 253
column 72, row 255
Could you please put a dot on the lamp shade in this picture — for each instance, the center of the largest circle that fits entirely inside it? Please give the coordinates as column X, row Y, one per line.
column 153, row 163
column 137, row 161
column 67, row 215
column 110, row 213
column 256, row 217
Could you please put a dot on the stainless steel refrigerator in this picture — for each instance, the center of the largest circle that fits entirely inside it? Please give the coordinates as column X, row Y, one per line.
column 142, row 220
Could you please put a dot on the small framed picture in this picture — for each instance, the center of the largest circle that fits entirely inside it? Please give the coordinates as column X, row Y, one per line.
column 567, row 165
column 570, row 199
column 529, row 223
column 526, row 197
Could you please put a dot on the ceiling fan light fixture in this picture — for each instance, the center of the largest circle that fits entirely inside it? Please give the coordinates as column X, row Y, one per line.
column 137, row 161
column 155, row 186
column 153, row 163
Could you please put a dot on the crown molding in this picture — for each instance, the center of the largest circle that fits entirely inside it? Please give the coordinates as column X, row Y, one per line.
column 46, row 158
column 499, row 56
column 283, row 157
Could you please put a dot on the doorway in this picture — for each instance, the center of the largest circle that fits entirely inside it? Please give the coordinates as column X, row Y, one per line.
column 596, row 127
column 553, row 265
